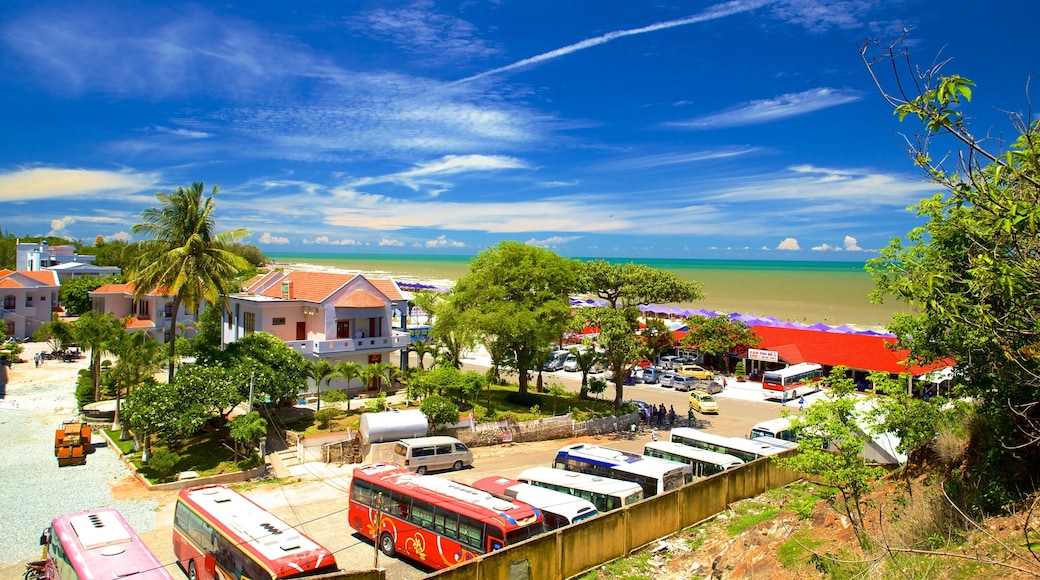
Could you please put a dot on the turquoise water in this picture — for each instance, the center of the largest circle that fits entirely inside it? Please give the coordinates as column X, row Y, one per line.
column 808, row 291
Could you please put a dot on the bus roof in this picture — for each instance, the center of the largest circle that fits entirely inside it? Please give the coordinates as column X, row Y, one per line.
column 100, row 543
column 579, row 480
column 774, row 425
column 544, row 499
column 737, row 443
column 696, row 453
column 794, row 369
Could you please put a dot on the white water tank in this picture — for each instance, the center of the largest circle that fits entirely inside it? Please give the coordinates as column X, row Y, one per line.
column 392, row 425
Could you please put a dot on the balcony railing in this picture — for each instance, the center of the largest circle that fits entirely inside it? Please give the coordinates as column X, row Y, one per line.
column 396, row 341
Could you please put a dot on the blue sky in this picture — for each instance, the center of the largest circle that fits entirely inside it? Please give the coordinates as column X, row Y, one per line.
column 746, row 129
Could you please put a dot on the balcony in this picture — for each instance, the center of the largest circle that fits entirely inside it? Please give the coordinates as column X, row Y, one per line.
column 396, row 341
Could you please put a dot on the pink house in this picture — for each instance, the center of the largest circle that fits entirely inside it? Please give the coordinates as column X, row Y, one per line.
column 151, row 313
column 27, row 300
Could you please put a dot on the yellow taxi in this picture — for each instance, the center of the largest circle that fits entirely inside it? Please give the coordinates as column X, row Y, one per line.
column 704, row 402
column 697, row 372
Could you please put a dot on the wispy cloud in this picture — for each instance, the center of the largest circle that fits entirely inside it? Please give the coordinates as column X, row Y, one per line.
column 421, row 30
column 821, row 15
column 769, row 110
column 552, row 241
column 712, row 13
column 670, row 159
column 183, row 132
column 429, row 173
column 46, row 182
column 269, row 238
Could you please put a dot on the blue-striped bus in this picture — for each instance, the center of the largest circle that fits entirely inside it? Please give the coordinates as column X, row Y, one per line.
column 653, row 475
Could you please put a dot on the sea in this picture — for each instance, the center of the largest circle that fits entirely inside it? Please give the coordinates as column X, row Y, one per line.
column 832, row 292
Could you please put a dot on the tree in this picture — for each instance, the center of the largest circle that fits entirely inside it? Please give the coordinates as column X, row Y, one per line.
column 625, row 287
column 138, row 356
column 348, row 371
column 375, row 373
column 246, row 430
column 440, row 411
column 518, row 296
column 320, row 372
column 831, row 446
column 96, row 332
column 185, row 255
column 719, row 335
column 57, row 334
column 75, row 292
column 587, row 359
column 658, row 338
column 277, row 372
column 970, row 273
column 421, row 348
column 162, row 409
column 215, row 388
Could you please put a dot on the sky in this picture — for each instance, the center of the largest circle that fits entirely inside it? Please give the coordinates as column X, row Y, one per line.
column 749, row 129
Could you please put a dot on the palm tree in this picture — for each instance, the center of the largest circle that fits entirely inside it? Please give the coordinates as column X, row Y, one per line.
column 378, row 372
column 138, row 356
column 348, row 371
column 586, row 360
column 185, row 256
column 421, row 348
column 320, row 371
column 96, row 332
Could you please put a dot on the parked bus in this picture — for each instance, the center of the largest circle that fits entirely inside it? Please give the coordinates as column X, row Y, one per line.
column 604, row 493
column 97, row 544
column 787, row 384
column 220, row 533
column 432, row 520
column 703, row 462
column 558, row 509
column 743, row 449
column 779, row 428
column 653, row 475
column 781, row 444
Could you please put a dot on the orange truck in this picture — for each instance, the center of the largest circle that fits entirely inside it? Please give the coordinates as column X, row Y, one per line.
column 72, row 443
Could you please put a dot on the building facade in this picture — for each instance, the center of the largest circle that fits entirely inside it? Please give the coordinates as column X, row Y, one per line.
column 27, row 300
column 152, row 313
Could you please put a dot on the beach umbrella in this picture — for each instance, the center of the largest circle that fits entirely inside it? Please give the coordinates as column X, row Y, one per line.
column 819, row 326
column 844, row 328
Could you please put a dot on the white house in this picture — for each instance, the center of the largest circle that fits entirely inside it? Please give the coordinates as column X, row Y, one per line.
column 27, row 300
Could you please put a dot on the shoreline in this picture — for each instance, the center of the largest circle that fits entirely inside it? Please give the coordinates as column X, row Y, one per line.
column 758, row 293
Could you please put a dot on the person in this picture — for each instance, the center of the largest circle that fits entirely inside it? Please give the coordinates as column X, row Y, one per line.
column 723, row 383
column 783, row 398
column 801, row 404
column 689, row 415
column 653, row 434
column 671, row 414
column 36, row 359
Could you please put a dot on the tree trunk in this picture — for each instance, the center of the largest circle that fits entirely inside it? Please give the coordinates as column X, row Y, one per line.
column 173, row 336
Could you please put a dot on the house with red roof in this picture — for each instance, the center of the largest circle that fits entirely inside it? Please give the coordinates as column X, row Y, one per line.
column 152, row 313
column 27, row 300
column 330, row 316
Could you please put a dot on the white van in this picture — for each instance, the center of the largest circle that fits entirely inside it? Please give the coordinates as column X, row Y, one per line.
column 779, row 428
column 423, row 454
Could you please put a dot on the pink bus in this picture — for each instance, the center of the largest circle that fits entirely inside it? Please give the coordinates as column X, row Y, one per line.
column 98, row 544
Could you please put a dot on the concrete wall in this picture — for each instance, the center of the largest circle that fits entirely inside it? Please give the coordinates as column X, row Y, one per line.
column 569, row 551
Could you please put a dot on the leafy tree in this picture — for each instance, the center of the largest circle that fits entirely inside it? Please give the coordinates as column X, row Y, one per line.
column 658, row 338
column 215, row 388
column 831, row 445
column 246, row 430
column 970, row 273
column 57, row 334
column 75, row 291
column 348, row 371
column 161, row 409
column 376, row 374
column 206, row 344
column 587, row 359
column 114, row 253
column 440, row 411
column 138, row 356
column 320, row 372
column 720, row 336
column 518, row 295
column 625, row 287
column 185, row 255
column 278, row 372
column 96, row 332
column 421, row 348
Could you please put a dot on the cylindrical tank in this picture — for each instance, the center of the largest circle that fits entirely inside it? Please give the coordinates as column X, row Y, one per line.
column 392, row 425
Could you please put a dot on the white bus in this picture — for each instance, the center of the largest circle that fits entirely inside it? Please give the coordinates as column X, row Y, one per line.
column 744, row 449
column 781, row 444
column 789, row 383
column 604, row 493
column 652, row 474
column 558, row 509
column 703, row 462
column 779, row 428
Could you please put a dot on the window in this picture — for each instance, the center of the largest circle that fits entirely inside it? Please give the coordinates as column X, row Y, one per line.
column 280, row 321
column 28, row 300
column 169, row 310
column 9, row 302
column 249, row 322
column 342, row 329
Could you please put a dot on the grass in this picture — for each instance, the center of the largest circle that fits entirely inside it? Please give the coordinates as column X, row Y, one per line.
column 635, row 567
column 202, row 453
column 795, row 552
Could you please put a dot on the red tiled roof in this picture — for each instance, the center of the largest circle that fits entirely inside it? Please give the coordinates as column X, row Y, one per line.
column 114, row 289
column 47, row 278
column 361, row 299
column 855, row 351
column 250, row 284
column 139, row 323
column 310, row 286
column 388, row 287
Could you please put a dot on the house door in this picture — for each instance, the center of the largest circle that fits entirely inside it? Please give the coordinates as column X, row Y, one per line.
column 301, row 330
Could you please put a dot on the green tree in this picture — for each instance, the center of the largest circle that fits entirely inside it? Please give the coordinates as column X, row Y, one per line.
column 320, row 372
column 421, row 348
column 970, row 273
column 658, row 338
column 161, row 409
column 215, row 388
column 185, row 254
column 138, row 356
column 277, row 372
column 348, row 371
column 57, row 334
column 375, row 374
column 587, row 359
column 206, row 344
column 831, row 444
column 246, row 430
column 625, row 287
column 719, row 335
column 96, row 332
column 518, row 295
column 75, row 292
column 440, row 411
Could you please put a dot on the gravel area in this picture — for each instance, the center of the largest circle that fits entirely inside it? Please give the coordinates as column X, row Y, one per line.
column 34, row 488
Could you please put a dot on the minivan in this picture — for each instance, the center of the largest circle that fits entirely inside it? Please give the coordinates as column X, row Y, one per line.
column 423, row 454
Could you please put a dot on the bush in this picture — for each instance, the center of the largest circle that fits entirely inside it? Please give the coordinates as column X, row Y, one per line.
column 324, row 417
column 739, row 371
column 84, row 388
column 164, row 461
column 439, row 410
column 335, row 396
column 378, row 404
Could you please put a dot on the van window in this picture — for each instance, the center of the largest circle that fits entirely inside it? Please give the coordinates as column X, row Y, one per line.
column 444, row 449
column 401, row 449
column 422, row 451
column 460, row 448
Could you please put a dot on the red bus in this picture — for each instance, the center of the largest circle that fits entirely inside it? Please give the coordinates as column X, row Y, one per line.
column 98, row 544
column 434, row 521
column 789, row 383
column 220, row 533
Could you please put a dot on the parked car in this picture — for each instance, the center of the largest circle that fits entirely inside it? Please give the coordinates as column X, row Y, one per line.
column 685, row 383
column 571, row 364
column 665, row 380
column 667, row 362
column 651, row 375
column 696, row 371
column 711, row 387
column 703, row 402
column 556, row 361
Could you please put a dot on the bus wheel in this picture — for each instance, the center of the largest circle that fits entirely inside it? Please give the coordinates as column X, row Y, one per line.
column 192, row 574
column 386, row 544
column 421, row 469
column 457, row 465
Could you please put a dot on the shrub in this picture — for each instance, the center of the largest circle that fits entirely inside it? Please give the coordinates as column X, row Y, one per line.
column 439, row 410
column 377, row 404
column 739, row 371
column 334, row 396
column 324, row 417
column 164, row 461
column 84, row 389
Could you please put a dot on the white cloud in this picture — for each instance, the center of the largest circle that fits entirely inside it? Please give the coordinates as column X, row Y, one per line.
column 424, row 173
column 119, row 236
column 788, row 244
column 769, row 110
column 183, row 132
column 420, row 30
column 49, row 182
column 327, row 241
column 58, row 226
column 390, row 242
column 443, row 242
column 268, row 238
column 852, row 245
column 826, row 248
column 552, row 241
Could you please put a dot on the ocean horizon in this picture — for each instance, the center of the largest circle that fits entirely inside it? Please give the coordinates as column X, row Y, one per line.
column 833, row 292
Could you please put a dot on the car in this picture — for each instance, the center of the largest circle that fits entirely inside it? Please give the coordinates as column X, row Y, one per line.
column 703, row 402
column 667, row 362
column 640, row 405
column 696, row 371
column 571, row 364
column 711, row 387
column 665, row 380
column 651, row 375
column 685, row 383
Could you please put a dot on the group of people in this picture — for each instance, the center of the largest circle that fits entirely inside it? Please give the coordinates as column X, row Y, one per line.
column 658, row 414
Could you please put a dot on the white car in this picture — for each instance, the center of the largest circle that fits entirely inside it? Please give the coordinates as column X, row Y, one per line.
column 571, row 364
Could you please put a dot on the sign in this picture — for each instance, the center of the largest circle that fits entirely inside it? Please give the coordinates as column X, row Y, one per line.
column 766, row 355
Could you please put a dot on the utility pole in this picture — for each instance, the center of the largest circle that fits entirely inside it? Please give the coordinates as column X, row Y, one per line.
column 249, row 408
column 379, row 525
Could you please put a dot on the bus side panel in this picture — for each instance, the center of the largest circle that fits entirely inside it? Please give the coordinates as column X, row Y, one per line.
column 409, row 540
column 185, row 551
